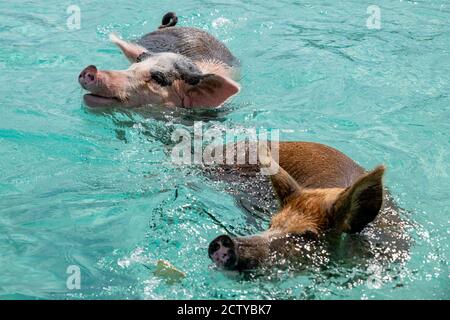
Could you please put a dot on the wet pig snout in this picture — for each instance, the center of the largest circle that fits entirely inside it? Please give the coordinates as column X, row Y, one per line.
column 88, row 77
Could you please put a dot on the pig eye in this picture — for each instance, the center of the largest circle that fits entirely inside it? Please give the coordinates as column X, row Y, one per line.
column 161, row 78
column 309, row 235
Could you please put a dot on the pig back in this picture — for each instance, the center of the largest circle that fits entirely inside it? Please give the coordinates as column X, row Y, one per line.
column 193, row 43
column 315, row 165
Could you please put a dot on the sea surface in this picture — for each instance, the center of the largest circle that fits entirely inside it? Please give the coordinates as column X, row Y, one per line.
column 97, row 190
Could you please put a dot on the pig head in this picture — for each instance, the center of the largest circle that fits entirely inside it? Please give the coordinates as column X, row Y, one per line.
column 165, row 78
column 306, row 216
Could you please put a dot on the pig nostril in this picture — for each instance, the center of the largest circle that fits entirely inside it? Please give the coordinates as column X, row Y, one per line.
column 91, row 77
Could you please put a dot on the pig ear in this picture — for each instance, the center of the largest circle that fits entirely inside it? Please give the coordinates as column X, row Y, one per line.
column 283, row 183
column 131, row 50
column 212, row 90
column 359, row 204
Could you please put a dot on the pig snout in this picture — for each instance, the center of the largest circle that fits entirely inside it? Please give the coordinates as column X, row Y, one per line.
column 104, row 87
column 223, row 253
column 88, row 77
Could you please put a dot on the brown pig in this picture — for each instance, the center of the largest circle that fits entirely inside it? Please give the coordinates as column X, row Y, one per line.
column 321, row 192
column 172, row 66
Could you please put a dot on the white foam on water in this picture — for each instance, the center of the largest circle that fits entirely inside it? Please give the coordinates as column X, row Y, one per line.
column 221, row 22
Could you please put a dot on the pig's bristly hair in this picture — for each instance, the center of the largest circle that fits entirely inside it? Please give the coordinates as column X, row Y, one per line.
column 170, row 19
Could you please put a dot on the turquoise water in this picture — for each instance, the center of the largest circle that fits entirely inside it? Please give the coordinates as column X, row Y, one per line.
column 98, row 189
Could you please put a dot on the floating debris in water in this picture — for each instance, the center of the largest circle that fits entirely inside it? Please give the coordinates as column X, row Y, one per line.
column 168, row 272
